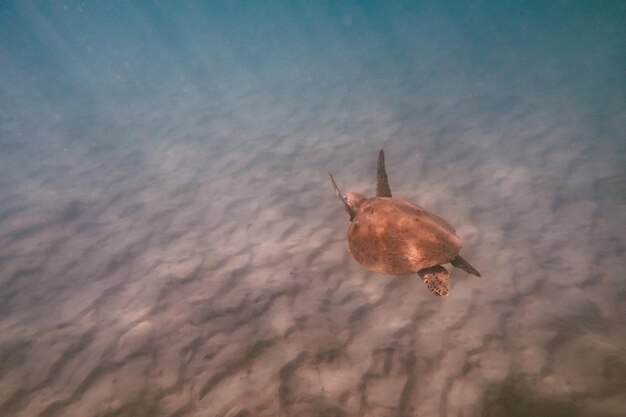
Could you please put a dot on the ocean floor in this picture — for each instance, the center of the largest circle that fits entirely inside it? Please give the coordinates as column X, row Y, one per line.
column 186, row 255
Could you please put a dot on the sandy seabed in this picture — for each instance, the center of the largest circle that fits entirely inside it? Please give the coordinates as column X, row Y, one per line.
column 189, row 258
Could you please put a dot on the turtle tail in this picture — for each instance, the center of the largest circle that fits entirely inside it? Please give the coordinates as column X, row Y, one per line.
column 459, row 262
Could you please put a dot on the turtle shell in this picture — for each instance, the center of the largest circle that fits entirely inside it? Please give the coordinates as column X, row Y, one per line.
column 395, row 237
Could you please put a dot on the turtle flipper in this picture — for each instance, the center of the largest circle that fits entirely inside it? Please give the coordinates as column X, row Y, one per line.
column 436, row 280
column 382, row 183
column 349, row 209
column 464, row 265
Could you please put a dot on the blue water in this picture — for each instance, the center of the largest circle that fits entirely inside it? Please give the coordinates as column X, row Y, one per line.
column 123, row 51
column 170, row 243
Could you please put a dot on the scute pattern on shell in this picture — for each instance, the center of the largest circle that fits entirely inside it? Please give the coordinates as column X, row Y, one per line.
column 395, row 237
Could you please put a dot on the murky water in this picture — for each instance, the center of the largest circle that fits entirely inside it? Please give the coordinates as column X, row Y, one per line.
column 170, row 244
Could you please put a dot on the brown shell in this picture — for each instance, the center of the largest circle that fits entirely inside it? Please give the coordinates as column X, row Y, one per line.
column 395, row 237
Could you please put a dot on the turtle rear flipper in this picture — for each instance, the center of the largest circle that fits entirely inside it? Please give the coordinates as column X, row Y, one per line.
column 436, row 280
column 464, row 265
column 382, row 183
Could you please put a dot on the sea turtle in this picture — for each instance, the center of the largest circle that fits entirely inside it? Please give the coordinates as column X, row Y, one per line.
column 395, row 237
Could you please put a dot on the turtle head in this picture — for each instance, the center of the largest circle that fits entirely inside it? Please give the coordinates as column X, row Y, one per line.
column 354, row 200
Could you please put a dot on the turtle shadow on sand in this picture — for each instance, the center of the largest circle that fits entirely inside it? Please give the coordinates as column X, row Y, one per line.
column 395, row 237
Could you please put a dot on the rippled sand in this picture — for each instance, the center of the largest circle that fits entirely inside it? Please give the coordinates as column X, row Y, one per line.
column 188, row 259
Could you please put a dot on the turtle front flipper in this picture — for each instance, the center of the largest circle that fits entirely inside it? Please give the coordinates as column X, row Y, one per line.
column 382, row 183
column 349, row 209
column 436, row 280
